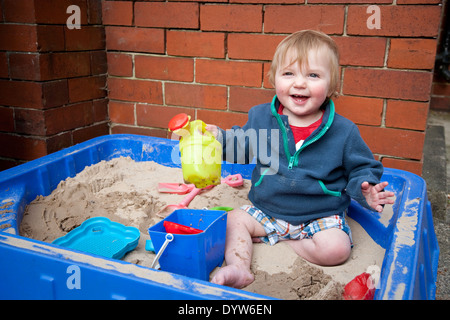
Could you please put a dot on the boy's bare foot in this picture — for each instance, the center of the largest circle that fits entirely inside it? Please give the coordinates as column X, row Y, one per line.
column 233, row 276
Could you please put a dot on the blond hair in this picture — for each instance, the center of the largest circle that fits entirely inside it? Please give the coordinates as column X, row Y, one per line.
column 302, row 42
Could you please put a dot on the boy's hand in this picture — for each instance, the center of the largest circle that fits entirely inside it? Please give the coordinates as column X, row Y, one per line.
column 376, row 196
column 213, row 129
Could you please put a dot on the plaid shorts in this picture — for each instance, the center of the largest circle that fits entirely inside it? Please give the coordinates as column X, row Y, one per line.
column 277, row 229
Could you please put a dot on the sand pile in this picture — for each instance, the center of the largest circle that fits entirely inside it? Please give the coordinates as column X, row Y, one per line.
column 126, row 191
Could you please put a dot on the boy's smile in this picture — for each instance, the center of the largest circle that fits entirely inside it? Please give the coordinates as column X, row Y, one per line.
column 302, row 89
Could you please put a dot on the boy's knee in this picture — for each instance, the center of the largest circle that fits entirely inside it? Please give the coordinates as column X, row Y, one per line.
column 334, row 250
column 240, row 219
column 234, row 216
column 338, row 254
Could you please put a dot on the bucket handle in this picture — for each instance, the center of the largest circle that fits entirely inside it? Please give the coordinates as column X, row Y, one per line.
column 155, row 264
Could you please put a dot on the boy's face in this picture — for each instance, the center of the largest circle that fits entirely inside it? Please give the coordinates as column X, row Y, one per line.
column 302, row 89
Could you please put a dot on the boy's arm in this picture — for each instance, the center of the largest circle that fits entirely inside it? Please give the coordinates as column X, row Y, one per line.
column 361, row 170
column 237, row 143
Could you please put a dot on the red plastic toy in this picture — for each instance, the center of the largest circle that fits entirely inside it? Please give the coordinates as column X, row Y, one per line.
column 360, row 288
column 172, row 227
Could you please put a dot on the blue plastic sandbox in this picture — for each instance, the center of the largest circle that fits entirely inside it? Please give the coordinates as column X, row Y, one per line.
column 32, row 269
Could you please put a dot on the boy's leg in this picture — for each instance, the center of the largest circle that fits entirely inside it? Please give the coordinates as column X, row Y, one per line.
column 329, row 247
column 241, row 228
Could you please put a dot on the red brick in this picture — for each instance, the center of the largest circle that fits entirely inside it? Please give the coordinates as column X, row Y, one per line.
column 418, row 1
column 69, row 117
column 120, row 64
column 166, row 15
column 87, row 88
column 394, row 142
column 100, row 110
column 387, row 83
column 54, row 11
column 223, row 119
column 50, row 38
column 412, row 53
column 361, row 51
column 197, row 96
column 406, row 165
column 252, row 46
column 19, row 11
column 441, row 89
column 4, row 73
column 86, row 38
column 15, row 37
column 116, row 129
column 240, row 18
column 416, row 112
column 242, row 99
column 164, row 68
column 20, row 147
column 64, row 65
column 90, row 132
column 49, row 66
column 196, row 44
column 95, row 11
column 266, row 69
column 360, row 110
column 121, row 112
column 288, row 19
column 269, row 1
column 440, row 103
column 25, row 66
column 117, row 13
column 135, row 39
column 54, row 93
column 30, row 121
column 99, row 63
column 349, row 1
column 229, row 72
column 135, row 90
column 12, row 94
column 403, row 21
column 157, row 116
column 6, row 119
column 59, row 141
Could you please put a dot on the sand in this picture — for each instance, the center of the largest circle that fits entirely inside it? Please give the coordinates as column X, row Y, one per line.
column 126, row 191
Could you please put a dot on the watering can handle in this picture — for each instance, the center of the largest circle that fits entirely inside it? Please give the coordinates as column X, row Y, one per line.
column 155, row 264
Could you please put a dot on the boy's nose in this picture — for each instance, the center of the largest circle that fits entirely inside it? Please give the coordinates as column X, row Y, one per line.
column 300, row 81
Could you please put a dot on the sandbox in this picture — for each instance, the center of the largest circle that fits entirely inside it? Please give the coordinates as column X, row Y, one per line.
column 37, row 269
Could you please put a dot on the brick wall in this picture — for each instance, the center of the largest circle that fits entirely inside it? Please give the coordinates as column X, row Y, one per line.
column 208, row 59
column 52, row 78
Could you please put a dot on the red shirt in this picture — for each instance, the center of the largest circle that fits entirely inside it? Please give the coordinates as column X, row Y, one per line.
column 301, row 133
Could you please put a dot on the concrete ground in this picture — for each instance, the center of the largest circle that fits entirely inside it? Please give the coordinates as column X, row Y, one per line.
column 437, row 161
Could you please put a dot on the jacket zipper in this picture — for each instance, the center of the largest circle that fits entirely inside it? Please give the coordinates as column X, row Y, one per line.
column 293, row 160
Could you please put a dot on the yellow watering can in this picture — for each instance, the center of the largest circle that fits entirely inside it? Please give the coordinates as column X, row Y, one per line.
column 201, row 153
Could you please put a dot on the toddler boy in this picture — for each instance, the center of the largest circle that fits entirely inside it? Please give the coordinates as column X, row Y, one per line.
column 322, row 163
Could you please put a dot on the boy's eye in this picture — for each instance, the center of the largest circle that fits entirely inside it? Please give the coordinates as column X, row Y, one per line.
column 287, row 73
column 314, row 75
